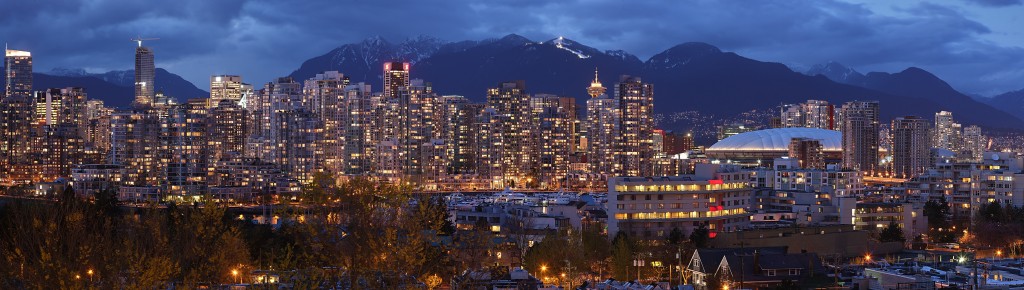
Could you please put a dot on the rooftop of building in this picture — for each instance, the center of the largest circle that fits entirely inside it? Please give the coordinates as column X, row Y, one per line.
column 778, row 140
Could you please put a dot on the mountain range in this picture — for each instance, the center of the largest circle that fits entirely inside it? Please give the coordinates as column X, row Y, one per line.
column 690, row 76
column 115, row 88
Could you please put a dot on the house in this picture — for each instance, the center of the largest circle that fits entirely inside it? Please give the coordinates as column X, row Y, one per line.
column 705, row 262
column 768, row 270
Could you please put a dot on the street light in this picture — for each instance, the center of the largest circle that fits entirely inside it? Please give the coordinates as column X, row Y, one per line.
column 234, row 275
column 90, row 275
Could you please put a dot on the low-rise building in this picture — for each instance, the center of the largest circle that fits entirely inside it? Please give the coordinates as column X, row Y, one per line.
column 716, row 197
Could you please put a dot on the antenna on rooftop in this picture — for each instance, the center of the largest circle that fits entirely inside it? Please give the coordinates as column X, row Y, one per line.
column 139, row 40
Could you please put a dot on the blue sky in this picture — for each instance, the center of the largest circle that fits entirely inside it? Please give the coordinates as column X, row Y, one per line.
column 976, row 45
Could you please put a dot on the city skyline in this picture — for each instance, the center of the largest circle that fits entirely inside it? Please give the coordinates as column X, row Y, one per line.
column 976, row 52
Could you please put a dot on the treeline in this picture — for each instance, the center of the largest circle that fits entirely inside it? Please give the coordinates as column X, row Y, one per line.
column 74, row 244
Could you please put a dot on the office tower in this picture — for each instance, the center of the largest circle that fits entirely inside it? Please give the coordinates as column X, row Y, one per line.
column 634, row 150
column 910, row 146
column 860, row 136
column 16, row 117
column 325, row 96
column 135, row 144
column 511, row 131
column 808, row 152
column 943, row 136
column 358, row 143
column 145, row 72
column 187, row 154
column 974, row 143
column 554, row 120
column 812, row 114
column 458, row 115
column 602, row 128
column 225, row 87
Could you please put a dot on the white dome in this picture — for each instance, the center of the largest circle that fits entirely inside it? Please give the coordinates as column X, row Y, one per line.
column 778, row 140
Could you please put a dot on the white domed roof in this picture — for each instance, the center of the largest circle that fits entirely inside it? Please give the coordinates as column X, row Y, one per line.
column 778, row 140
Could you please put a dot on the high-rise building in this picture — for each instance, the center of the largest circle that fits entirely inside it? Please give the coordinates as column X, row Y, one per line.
column 18, row 70
column 511, row 134
column 359, row 142
column 974, row 143
column 812, row 114
column 860, row 136
column 396, row 76
column 458, row 116
column 554, row 118
column 187, row 155
column 16, row 118
column 602, row 128
column 943, row 136
column 145, row 73
column 808, row 152
column 677, row 142
column 227, row 131
column 325, row 95
column 635, row 148
column 225, row 87
column 135, row 144
column 910, row 146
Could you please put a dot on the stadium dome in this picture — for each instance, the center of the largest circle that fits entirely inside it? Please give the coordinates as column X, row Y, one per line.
column 766, row 145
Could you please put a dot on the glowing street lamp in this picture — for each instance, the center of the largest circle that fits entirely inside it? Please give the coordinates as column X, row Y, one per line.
column 90, row 275
column 234, row 274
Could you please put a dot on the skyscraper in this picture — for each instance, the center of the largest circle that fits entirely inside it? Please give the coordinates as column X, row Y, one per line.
column 944, row 136
column 511, row 125
column 910, row 146
column 602, row 129
column 974, row 143
column 145, row 72
column 860, row 136
column 16, row 117
column 325, row 95
column 187, row 154
column 18, row 69
column 225, row 87
column 396, row 75
column 635, row 149
column 554, row 120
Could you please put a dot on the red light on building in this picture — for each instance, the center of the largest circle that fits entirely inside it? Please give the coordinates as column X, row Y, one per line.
column 387, row 66
column 405, row 66
column 715, row 181
column 712, row 235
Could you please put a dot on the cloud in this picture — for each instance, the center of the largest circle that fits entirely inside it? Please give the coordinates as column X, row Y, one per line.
column 261, row 40
column 995, row 3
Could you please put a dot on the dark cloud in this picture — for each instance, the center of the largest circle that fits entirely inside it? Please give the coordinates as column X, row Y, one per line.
column 264, row 39
column 996, row 3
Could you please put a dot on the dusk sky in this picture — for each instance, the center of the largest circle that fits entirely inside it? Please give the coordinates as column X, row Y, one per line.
column 977, row 46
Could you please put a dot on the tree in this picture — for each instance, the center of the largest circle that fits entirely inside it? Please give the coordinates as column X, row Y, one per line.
column 622, row 256
column 699, row 237
column 892, row 233
column 676, row 236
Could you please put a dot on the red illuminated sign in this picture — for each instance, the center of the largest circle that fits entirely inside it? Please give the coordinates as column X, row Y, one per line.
column 715, row 181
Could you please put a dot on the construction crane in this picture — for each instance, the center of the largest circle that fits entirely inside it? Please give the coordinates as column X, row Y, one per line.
column 140, row 39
